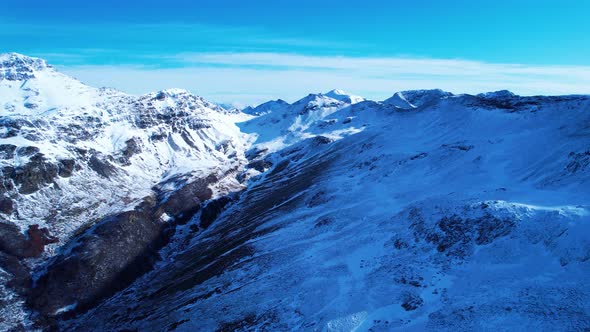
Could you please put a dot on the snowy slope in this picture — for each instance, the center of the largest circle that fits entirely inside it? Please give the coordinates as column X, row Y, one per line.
column 458, row 213
column 427, row 211
column 120, row 145
column 71, row 154
column 279, row 124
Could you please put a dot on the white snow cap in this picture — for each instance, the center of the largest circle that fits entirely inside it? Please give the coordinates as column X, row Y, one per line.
column 344, row 96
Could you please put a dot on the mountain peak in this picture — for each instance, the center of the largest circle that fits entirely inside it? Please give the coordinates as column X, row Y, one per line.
column 415, row 98
column 171, row 92
column 266, row 107
column 344, row 96
column 18, row 67
column 337, row 92
column 13, row 56
column 497, row 94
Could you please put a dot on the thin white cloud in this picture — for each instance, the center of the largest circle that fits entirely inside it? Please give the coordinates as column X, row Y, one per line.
column 256, row 77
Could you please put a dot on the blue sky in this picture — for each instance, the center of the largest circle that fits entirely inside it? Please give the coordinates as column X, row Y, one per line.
column 251, row 51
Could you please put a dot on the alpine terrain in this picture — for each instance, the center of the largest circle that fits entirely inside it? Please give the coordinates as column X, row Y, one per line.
column 427, row 211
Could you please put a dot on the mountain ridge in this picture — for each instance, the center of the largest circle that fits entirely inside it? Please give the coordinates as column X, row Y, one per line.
column 190, row 207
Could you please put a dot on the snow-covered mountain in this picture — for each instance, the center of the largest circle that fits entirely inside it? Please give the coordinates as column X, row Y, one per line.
column 68, row 147
column 427, row 211
column 72, row 154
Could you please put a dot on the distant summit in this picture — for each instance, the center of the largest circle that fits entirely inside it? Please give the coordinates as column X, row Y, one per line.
column 266, row 107
column 416, row 98
column 344, row 96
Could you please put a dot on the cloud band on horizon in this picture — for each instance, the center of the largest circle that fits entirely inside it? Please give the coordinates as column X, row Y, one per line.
column 251, row 78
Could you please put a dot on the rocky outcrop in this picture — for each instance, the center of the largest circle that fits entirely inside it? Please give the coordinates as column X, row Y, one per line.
column 411, row 302
column 184, row 203
column 33, row 175
column 456, row 236
column 65, row 167
column 13, row 242
column 212, row 210
column 15, row 274
column 132, row 147
column 101, row 165
column 6, row 205
column 15, row 67
column 578, row 162
column 18, row 275
column 110, row 255
column 98, row 263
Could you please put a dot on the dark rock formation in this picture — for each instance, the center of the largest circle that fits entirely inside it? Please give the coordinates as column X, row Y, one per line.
column 33, row 175
column 186, row 201
column 66, row 167
column 110, row 255
column 320, row 140
column 132, row 147
column 19, row 278
column 19, row 68
column 318, row 198
column 255, row 153
column 461, row 147
column 6, row 205
column 7, row 151
column 38, row 239
column 455, row 235
column 212, row 210
column 260, row 165
column 100, row 262
column 412, row 302
column 27, row 151
column 101, row 166
column 578, row 161
column 15, row 243
column 160, row 96
column 421, row 155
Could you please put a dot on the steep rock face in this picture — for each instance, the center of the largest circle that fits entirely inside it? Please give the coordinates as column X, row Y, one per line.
column 98, row 263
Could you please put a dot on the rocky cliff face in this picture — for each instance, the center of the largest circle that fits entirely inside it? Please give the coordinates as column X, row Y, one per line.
column 428, row 211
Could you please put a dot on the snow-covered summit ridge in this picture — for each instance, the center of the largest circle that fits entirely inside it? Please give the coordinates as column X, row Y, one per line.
column 344, row 96
column 18, row 67
column 497, row 94
column 336, row 95
column 266, row 107
column 416, row 98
